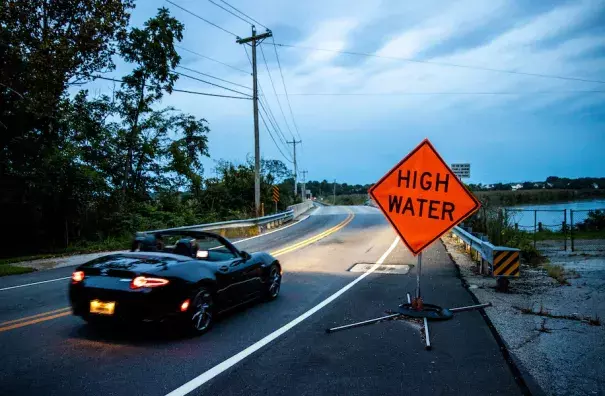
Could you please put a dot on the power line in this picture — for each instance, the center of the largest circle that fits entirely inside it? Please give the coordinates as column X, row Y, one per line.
column 263, row 94
column 442, row 63
column 287, row 156
column 272, row 138
column 179, row 90
column 203, row 19
column 444, row 93
column 230, row 12
column 285, row 89
column 216, row 78
column 242, row 13
column 272, row 116
column 209, row 83
column 275, row 91
column 211, row 59
column 269, row 114
column 281, row 138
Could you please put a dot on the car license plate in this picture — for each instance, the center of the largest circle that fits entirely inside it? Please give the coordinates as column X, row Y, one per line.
column 102, row 308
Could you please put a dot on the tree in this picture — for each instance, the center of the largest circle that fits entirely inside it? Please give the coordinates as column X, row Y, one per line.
column 45, row 175
column 45, row 46
column 187, row 151
column 152, row 51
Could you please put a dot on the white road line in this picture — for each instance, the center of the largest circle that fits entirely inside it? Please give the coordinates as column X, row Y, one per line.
column 218, row 369
column 241, row 240
column 35, row 283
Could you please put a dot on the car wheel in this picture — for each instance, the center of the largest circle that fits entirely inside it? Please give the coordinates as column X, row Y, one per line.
column 202, row 312
column 273, row 282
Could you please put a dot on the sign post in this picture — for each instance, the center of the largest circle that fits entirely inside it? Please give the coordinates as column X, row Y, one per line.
column 422, row 199
column 275, row 191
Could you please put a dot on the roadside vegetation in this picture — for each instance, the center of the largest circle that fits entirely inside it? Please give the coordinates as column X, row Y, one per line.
column 81, row 171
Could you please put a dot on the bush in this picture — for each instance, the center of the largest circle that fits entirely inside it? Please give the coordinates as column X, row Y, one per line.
column 594, row 222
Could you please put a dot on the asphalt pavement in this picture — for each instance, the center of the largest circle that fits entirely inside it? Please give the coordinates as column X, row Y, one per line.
column 55, row 353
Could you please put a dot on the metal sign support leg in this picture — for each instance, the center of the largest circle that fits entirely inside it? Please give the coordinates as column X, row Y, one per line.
column 418, row 273
column 417, row 310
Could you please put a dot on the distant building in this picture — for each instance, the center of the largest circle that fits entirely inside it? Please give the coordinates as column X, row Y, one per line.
column 595, row 185
column 515, row 187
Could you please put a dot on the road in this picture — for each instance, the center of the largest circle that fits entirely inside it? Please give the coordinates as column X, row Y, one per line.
column 54, row 353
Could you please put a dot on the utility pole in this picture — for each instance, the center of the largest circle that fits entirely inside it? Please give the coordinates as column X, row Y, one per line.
column 294, row 142
column 334, row 196
column 304, row 186
column 253, row 41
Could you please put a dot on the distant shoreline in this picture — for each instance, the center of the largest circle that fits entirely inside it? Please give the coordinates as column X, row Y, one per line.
column 537, row 197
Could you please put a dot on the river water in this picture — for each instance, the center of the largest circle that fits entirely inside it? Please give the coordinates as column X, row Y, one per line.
column 552, row 215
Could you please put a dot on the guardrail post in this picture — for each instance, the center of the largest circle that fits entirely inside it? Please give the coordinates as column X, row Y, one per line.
column 571, row 229
column 564, row 229
column 535, row 220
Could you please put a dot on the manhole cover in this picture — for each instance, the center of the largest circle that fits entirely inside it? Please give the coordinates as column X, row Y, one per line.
column 383, row 269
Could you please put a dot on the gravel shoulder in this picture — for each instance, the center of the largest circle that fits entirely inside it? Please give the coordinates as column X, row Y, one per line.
column 564, row 356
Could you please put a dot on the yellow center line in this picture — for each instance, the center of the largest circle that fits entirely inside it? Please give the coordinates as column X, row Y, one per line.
column 34, row 321
column 33, row 316
column 315, row 238
column 58, row 313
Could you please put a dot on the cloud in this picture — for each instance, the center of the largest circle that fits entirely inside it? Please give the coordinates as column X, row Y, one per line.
column 558, row 37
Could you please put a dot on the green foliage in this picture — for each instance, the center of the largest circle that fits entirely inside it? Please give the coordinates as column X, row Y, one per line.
column 325, row 189
column 350, row 199
column 594, row 222
column 537, row 196
column 557, row 272
column 83, row 172
column 8, row 269
column 494, row 223
column 551, row 183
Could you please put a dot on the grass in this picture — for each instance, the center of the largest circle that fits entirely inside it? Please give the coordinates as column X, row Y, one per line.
column 351, row 199
column 8, row 269
column 596, row 321
column 556, row 236
column 538, row 196
column 557, row 272
column 108, row 244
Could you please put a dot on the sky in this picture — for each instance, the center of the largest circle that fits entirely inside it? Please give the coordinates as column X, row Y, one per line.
column 509, row 127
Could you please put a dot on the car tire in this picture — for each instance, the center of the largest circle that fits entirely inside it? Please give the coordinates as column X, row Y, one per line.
column 273, row 283
column 201, row 312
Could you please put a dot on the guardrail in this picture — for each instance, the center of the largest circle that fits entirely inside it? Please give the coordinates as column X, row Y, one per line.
column 301, row 208
column 489, row 253
column 269, row 221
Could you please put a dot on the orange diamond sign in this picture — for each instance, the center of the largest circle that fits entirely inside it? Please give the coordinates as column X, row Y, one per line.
column 423, row 198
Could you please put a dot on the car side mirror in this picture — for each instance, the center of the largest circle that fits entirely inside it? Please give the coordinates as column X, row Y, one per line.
column 246, row 255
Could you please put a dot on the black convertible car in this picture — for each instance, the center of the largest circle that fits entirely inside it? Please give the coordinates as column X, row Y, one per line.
column 189, row 276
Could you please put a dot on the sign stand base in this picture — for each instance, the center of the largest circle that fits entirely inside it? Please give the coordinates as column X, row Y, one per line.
column 414, row 310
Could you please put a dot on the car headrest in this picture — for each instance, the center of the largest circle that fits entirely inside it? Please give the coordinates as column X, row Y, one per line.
column 186, row 247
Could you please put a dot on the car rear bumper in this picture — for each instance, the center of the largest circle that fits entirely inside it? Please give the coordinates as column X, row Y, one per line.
column 141, row 305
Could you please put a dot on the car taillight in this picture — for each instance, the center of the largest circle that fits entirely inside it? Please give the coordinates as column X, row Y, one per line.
column 185, row 305
column 143, row 281
column 77, row 277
